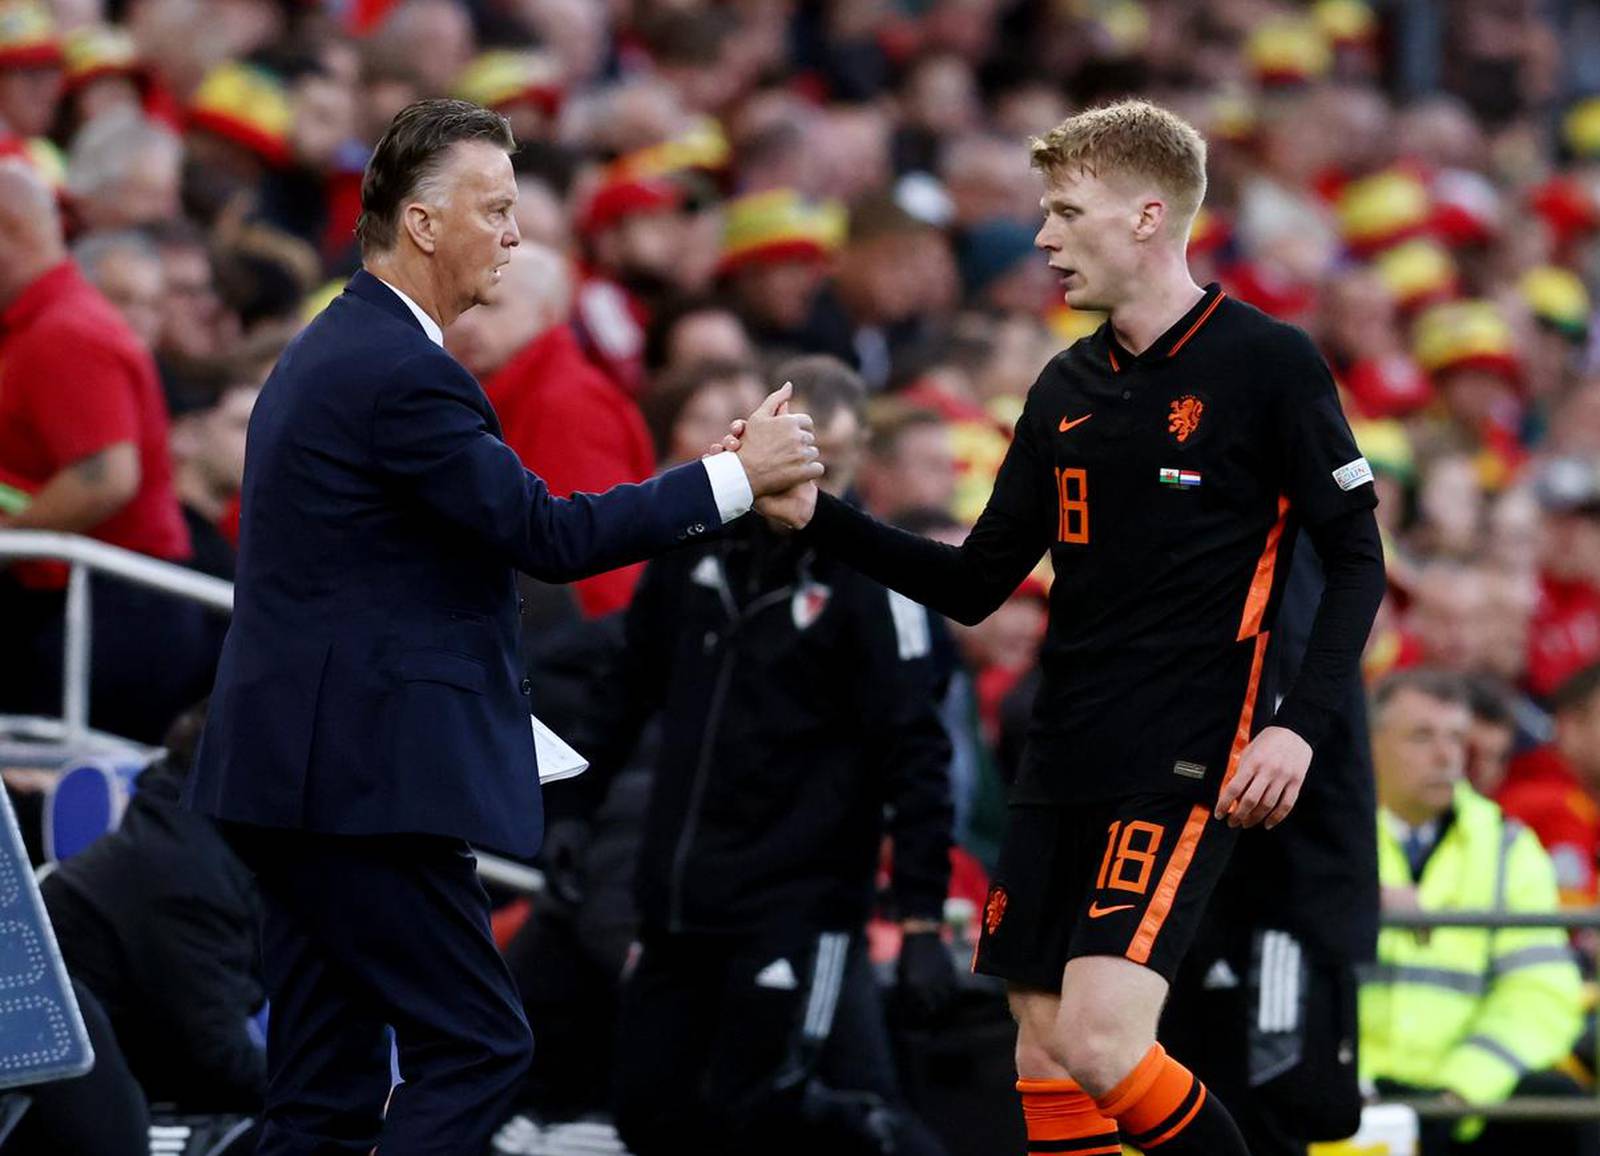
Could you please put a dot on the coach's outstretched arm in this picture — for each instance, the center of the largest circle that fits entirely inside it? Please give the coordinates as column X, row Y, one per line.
column 967, row 582
column 430, row 435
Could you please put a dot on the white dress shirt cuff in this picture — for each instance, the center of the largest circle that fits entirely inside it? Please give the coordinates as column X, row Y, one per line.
column 729, row 485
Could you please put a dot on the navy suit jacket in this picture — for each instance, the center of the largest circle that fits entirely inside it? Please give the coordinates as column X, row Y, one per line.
column 370, row 682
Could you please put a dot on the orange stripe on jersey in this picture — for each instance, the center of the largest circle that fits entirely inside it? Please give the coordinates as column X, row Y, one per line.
column 1144, row 940
column 1112, row 353
column 1241, row 736
column 1199, row 321
column 1255, row 602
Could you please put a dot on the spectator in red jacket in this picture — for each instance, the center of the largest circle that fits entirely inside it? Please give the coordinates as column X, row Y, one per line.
column 568, row 422
column 1555, row 789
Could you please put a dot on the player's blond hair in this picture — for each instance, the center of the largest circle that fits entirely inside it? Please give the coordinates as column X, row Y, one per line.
column 1133, row 137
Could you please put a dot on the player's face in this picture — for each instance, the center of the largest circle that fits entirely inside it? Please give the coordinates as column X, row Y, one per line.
column 1419, row 750
column 1090, row 238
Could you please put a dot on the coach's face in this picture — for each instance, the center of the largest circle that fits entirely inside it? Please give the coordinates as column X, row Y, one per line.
column 475, row 227
column 1092, row 235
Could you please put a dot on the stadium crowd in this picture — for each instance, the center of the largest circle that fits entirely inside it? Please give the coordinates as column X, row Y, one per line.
column 711, row 190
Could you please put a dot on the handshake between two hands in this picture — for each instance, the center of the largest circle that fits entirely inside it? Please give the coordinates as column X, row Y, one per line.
column 779, row 453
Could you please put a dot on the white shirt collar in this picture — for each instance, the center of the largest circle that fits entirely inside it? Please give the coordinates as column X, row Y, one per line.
column 429, row 325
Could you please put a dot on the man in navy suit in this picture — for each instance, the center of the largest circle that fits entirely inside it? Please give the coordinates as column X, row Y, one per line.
column 369, row 725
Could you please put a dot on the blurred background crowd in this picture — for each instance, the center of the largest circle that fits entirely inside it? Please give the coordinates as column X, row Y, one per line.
column 707, row 188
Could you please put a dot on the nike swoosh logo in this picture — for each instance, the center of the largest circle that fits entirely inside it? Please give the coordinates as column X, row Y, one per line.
column 1066, row 425
column 1096, row 911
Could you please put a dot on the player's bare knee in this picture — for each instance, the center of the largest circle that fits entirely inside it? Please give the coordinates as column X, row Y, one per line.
column 1099, row 1056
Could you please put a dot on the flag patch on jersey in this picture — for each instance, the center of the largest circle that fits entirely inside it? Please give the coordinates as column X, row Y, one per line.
column 1170, row 477
column 1353, row 474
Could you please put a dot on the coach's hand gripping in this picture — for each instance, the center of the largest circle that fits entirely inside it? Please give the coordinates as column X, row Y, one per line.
column 1268, row 779
column 778, row 449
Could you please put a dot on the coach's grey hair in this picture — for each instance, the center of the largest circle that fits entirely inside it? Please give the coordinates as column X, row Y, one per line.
column 106, row 149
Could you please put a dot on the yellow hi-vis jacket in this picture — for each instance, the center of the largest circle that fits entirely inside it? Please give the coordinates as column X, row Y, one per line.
column 1465, row 1009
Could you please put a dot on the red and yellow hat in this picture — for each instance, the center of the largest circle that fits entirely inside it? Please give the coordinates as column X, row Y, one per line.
column 246, row 105
column 621, row 197
column 1465, row 335
column 1418, row 272
column 1559, row 298
column 1383, row 209
column 1288, row 50
column 27, row 36
column 779, row 225
column 502, row 77
column 98, row 50
column 703, row 148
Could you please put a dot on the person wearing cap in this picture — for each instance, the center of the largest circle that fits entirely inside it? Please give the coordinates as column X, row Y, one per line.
column 238, row 130
column 1559, row 303
column 777, row 247
column 634, row 232
column 524, row 87
column 103, row 72
column 1469, row 351
column 30, row 69
column 569, row 423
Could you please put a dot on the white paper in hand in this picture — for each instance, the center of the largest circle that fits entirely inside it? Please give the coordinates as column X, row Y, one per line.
column 556, row 759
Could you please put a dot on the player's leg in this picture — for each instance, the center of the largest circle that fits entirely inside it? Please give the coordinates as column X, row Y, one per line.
column 1047, row 860
column 1161, row 858
column 1060, row 1114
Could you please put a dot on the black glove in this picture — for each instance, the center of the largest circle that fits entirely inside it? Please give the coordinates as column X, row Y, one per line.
column 926, row 975
column 565, row 843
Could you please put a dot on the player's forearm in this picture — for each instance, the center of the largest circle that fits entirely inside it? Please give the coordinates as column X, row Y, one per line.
column 941, row 577
column 1352, row 556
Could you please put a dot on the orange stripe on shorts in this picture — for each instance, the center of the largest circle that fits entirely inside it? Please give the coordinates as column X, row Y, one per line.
column 1144, row 940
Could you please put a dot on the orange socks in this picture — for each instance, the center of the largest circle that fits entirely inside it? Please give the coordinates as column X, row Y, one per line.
column 1062, row 1117
column 1160, row 1105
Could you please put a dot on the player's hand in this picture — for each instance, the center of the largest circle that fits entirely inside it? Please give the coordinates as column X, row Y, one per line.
column 790, row 510
column 1268, row 780
column 778, row 450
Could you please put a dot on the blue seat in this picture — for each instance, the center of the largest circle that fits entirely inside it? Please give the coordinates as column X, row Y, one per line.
column 86, row 803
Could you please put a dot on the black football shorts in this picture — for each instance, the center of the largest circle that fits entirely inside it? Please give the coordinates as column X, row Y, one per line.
column 1128, row 876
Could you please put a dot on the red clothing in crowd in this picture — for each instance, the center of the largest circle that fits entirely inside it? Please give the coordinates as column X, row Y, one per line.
column 74, row 380
column 610, row 324
column 571, row 425
column 1542, row 792
column 1564, row 636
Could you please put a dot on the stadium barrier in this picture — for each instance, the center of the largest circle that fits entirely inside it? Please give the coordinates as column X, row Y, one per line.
column 34, row 741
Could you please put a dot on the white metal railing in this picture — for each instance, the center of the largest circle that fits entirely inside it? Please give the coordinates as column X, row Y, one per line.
column 85, row 556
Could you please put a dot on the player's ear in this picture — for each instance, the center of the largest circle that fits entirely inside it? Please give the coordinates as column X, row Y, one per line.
column 1152, row 216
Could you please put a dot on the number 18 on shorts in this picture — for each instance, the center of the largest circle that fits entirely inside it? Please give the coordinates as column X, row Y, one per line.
column 1128, row 876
